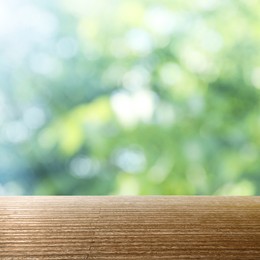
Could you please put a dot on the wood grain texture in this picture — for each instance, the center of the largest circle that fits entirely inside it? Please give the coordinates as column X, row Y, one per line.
column 166, row 227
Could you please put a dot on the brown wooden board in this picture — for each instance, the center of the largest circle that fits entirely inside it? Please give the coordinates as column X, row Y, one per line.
column 149, row 227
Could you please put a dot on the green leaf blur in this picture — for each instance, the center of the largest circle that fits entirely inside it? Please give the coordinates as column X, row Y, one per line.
column 129, row 97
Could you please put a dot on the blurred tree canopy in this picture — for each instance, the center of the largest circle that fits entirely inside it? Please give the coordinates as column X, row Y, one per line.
column 129, row 97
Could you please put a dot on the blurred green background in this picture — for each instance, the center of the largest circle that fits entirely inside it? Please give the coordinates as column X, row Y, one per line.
column 129, row 97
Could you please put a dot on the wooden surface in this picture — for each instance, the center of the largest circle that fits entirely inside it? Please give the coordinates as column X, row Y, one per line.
column 129, row 228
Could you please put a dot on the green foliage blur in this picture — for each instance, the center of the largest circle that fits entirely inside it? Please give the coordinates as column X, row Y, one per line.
column 129, row 97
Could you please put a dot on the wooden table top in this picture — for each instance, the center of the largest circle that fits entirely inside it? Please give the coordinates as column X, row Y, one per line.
column 149, row 227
